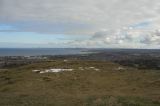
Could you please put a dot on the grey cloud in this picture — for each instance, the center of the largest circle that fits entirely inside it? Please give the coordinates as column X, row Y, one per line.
column 152, row 38
column 48, row 28
column 109, row 14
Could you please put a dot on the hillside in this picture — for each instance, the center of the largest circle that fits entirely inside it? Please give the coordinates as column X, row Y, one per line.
column 109, row 85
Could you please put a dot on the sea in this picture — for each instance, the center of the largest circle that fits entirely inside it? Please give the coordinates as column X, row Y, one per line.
column 67, row 51
column 40, row 51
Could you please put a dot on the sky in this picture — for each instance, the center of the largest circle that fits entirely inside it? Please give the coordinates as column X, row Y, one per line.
column 80, row 24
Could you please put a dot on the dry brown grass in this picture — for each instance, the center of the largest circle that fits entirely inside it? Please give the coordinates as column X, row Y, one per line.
column 107, row 87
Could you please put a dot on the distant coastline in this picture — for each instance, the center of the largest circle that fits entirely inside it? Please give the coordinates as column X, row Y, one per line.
column 39, row 51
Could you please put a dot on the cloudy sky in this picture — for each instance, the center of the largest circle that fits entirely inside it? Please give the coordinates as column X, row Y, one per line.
column 80, row 23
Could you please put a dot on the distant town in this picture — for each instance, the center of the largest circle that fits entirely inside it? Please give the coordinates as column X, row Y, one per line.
column 134, row 58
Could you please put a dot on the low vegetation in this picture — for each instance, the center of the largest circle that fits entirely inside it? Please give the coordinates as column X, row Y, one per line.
column 111, row 85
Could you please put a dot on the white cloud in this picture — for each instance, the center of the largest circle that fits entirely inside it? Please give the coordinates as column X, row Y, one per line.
column 128, row 38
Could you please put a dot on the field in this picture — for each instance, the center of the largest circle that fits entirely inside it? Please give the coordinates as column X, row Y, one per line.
column 111, row 85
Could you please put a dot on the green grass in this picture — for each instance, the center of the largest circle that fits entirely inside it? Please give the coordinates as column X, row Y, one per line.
column 107, row 87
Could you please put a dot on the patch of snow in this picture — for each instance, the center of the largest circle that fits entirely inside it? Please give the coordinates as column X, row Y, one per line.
column 35, row 70
column 41, row 72
column 88, row 68
column 65, row 60
column 81, row 68
column 91, row 67
column 120, row 68
column 97, row 69
column 56, row 70
column 52, row 70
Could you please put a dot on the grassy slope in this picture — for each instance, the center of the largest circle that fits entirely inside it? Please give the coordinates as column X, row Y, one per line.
column 107, row 87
